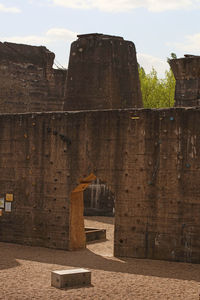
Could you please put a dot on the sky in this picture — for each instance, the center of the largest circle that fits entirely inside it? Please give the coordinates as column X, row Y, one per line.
column 157, row 27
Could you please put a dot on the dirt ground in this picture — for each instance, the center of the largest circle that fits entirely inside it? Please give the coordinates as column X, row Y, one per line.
column 25, row 273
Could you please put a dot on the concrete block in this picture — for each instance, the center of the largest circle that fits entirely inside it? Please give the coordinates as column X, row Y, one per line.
column 93, row 234
column 70, row 278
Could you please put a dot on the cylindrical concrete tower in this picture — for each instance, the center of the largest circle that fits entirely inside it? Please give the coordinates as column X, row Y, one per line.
column 102, row 74
column 187, row 73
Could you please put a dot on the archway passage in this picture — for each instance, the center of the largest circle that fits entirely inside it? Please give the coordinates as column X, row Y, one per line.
column 98, row 199
column 77, row 238
column 91, row 197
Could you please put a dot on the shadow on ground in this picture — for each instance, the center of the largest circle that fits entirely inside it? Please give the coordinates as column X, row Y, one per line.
column 59, row 259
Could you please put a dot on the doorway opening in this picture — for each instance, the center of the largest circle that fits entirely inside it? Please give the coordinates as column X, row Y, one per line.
column 91, row 213
column 98, row 199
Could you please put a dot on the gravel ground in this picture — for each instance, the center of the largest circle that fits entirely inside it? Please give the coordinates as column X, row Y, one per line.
column 25, row 273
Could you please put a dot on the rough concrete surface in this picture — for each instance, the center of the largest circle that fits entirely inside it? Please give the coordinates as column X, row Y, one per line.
column 102, row 74
column 148, row 158
column 28, row 81
column 186, row 71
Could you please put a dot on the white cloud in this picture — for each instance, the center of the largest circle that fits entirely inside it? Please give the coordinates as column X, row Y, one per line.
column 52, row 35
column 127, row 5
column 148, row 62
column 29, row 39
column 10, row 9
column 191, row 43
column 61, row 34
column 40, row 3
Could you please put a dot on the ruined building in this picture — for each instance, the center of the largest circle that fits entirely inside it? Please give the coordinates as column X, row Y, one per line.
column 102, row 74
column 187, row 73
column 149, row 159
column 27, row 80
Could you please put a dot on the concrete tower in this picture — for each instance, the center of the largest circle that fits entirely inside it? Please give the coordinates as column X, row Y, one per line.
column 187, row 73
column 102, row 74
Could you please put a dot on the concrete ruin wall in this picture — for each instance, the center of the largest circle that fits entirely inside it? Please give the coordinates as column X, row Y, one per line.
column 102, row 74
column 31, row 167
column 27, row 80
column 148, row 158
column 187, row 73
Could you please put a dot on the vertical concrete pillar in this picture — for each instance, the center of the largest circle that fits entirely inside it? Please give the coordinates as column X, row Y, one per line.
column 102, row 74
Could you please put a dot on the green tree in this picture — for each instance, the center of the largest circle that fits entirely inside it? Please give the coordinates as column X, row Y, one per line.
column 156, row 92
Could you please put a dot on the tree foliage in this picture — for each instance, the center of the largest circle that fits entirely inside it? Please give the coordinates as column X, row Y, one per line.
column 156, row 92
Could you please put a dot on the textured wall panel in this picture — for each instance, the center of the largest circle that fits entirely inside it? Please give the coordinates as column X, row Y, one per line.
column 151, row 164
column 27, row 80
column 102, row 74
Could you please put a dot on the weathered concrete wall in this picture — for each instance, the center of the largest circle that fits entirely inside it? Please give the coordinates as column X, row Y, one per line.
column 102, row 74
column 148, row 158
column 31, row 167
column 157, row 211
column 27, row 80
column 187, row 73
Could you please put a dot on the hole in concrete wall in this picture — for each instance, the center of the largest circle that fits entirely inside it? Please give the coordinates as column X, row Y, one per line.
column 98, row 199
column 99, row 211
